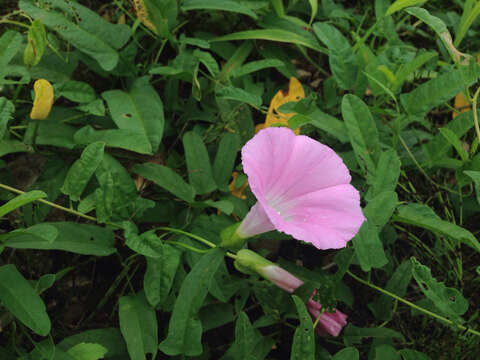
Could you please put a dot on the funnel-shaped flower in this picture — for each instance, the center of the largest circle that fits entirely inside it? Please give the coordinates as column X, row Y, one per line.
column 303, row 189
column 249, row 262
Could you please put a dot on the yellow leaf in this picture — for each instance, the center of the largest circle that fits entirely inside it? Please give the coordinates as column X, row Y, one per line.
column 461, row 105
column 142, row 14
column 237, row 192
column 294, row 92
column 43, row 99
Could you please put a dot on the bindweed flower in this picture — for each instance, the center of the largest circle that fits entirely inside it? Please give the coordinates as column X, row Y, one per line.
column 250, row 262
column 303, row 189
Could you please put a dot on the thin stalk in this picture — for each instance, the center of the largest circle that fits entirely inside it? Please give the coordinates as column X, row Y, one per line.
column 475, row 115
column 193, row 236
column 398, row 298
column 59, row 207
column 185, row 246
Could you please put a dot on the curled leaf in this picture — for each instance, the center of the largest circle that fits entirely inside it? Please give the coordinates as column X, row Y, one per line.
column 43, row 99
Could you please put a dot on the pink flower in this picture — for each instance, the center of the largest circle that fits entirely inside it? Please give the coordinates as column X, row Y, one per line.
column 329, row 323
column 303, row 189
column 248, row 261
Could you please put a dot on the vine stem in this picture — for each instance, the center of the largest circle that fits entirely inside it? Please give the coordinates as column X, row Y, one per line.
column 94, row 219
column 398, row 298
column 63, row 208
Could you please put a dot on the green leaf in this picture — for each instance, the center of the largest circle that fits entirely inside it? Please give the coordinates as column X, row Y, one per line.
column 167, row 179
column 198, row 164
column 437, row 148
column 453, row 139
column 225, row 160
column 405, row 70
column 77, row 238
column 433, row 93
column 93, row 35
column 382, row 307
column 434, row 22
column 185, row 329
column 277, row 35
column 231, row 93
column 342, row 60
column 87, row 351
column 255, row 66
column 36, row 43
column 148, row 243
column 119, row 138
column 362, row 132
column 401, row 4
column 475, row 175
column 19, row 297
column 245, row 337
column 331, row 125
column 21, row 200
column 109, row 338
column 13, row 146
column 380, row 209
column 160, row 274
column 424, row 217
column 82, row 170
column 349, row 353
column 448, row 300
column 369, row 248
column 76, row 91
column 303, row 347
column 10, row 43
column 386, row 352
column 408, row 354
column 138, row 323
column 223, row 5
column 354, row 335
column 6, row 110
column 387, row 174
column 207, row 60
column 117, row 187
column 471, row 10
column 139, row 110
column 43, row 232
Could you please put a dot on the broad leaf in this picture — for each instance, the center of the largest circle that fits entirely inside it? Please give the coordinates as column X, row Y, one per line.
column 303, row 347
column 423, row 216
column 198, row 164
column 448, row 300
column 21, row 200
column 139, row 110
column 185, row 329
column 19, row 297
column 93, row 35
column 166, row 178
column 82, row 170
column 138, row 324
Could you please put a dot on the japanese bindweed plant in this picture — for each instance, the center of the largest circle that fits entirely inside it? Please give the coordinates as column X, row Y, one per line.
column 239, row 180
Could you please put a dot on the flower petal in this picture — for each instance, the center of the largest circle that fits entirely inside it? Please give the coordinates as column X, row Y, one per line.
column 303, row 187
column 256, row 222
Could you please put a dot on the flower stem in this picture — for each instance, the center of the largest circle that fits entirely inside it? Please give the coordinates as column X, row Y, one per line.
column 396, row 297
